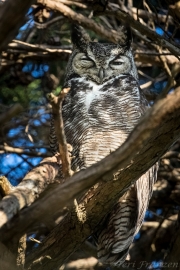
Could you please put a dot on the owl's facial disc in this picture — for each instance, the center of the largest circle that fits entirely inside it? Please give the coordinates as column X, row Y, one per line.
column 100, row 69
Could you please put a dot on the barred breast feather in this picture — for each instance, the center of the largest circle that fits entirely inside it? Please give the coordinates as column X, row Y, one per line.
column 98, row 119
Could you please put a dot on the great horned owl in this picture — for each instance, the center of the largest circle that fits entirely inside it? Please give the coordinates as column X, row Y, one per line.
column 101, row 109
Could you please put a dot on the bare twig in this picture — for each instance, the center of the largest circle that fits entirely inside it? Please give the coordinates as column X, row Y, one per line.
column 18, row 150
column 145, row 15
column 56, row 103
column 68, row 2
column 35, row 240
column 163, row 60
column 17, row 44
column 145, row 31
column 171, row 154
column 153, row 58
column 171, row 82
column 110, row 34
column 48, row 23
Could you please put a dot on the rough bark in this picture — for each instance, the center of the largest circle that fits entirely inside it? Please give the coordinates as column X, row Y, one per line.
column 10, row 22
column 150, row 139
column 29, row 189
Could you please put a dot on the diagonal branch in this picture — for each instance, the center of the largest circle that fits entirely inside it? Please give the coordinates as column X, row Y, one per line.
column 110, row 34
column 144, row 30
column 20, row 45
column 154, row 134
column 29, row 189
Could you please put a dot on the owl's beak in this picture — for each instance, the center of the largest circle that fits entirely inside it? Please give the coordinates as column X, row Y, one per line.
column 101, row 74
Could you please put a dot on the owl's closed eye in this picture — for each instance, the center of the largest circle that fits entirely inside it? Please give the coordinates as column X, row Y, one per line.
column 99, row 62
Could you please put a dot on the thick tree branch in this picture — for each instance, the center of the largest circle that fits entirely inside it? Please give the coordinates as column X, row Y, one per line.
column 29, row 189
column 154, row 134
column 10, row 23
column 149, row 140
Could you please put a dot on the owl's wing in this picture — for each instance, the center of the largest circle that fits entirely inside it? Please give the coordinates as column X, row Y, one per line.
column 116, row 237
column 125, row 220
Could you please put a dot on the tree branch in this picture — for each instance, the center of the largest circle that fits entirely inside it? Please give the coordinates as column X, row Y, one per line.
column 154, row 134
column 18, row 150
column 110, row 34
column 65, row 158
column 20, row 45
column 126, row 18
column 153, row 59
column 10, row 24
column 29, row 189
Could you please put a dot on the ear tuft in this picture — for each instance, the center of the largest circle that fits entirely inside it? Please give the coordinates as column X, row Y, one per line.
column 126, row 39
column 79, row 37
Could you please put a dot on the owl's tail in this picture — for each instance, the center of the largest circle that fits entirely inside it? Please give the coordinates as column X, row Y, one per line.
column 125, row 220
column 118, row 233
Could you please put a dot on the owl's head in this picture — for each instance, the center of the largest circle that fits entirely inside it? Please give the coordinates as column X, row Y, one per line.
column 99, row 62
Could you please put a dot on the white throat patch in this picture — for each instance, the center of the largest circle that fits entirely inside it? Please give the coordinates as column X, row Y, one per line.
column 93, row 94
